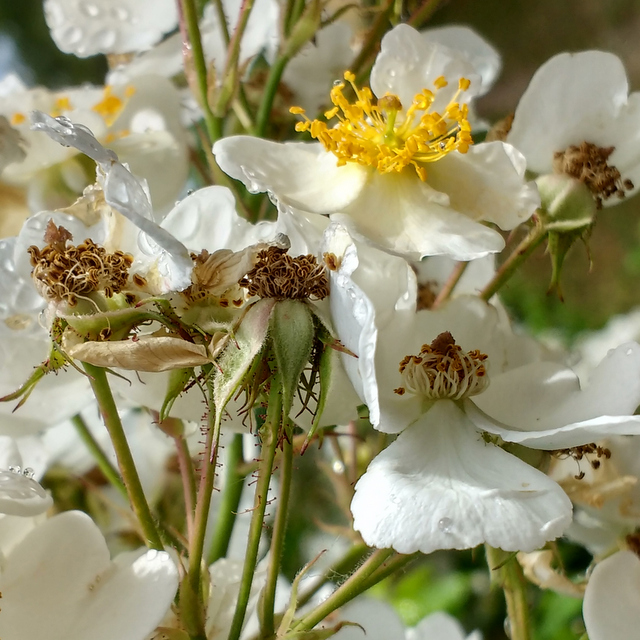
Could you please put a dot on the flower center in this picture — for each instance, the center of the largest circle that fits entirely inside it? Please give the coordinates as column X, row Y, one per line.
column 442, row 370
column 384, row 136
column 278, row 275
column 588, row 164
column 64, row 272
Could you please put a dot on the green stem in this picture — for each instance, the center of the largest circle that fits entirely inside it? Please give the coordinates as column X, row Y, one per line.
column 205, row 491
column 269, row 434
column 395, row 564
column 423, row 13
column 188, row 480
column 109, row 411
column 353, row 587
column 450, row 284
column 506, row 571
column 346, row 563
column 233, row 485
column 103, row 462
column 269, row 94
column 513, row 262
column 277, row 541
column 372, row 39
column 191, row 35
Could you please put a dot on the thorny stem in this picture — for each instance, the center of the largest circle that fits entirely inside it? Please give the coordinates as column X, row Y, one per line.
column 507, row 573
column 269, row 435
column 103, row 462
column 535, row 237
column 353, row 587
column 350, row 558
column 203, row 504
column 277, row 541
column 450, row 284
column 188, row 480
column 109, row 411
column 193, row 45
column 233, row 485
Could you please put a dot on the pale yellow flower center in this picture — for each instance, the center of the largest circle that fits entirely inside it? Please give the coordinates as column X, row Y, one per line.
column 385, row 136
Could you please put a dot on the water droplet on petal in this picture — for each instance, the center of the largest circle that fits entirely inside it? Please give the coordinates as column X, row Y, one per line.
column 15, row 469
column 28, row 472
column 120, row 13
column 629, row 352
column 445, row 525
column 89, row 9
column 70, row 36
column 105, row 39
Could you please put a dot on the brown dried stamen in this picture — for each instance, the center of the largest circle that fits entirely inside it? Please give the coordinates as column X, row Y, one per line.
column 590, row 452
column 588, row 164
column 64, row 272
column 278, row 275
column 443, row 370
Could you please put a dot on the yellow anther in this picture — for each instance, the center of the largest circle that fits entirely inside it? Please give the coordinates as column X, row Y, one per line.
column 386, row 136
column 440, row 83
column 63, row 104
column 463, row 84
column 297, row 111
column 18, row 118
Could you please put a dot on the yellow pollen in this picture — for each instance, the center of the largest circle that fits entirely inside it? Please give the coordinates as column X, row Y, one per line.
column 111, row 105
column 18, row 118
column 62, row 104
column 386, row 136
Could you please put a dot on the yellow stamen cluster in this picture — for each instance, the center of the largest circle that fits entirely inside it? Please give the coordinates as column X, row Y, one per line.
column 110, row 107
column 442, row 370
column 64, row 272
column 279, row 276
column 384, row 136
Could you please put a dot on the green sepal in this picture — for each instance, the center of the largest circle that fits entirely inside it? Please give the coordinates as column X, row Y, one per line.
column 558, row 245
column 192, row 615
column 178, row 380
column 292, row 332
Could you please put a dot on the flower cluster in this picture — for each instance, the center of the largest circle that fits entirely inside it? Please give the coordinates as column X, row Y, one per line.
column 269, row 235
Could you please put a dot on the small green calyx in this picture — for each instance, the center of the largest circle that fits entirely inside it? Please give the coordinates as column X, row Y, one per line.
column 292, row 333
column 568, row 212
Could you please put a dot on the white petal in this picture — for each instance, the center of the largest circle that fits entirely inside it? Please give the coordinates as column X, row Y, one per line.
column 487, row 183
column 610, row 606
column 402, row 214
column 478, row 52
column 439, row 625
column 408, row 63
column 101, row 26
column 439, row 486
column 378, row 619
column 545, row 395
column 302, row 175
column 572, row 98
column 60, row 584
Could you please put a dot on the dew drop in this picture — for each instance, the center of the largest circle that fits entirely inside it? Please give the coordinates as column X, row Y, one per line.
column 28, row 472
column 15, row 469
column 120, row 13
column 105, row 38
column 338, row 467
column 445, row 525
column 629, row 352
column 90, row 9
column 337, row 83
column 72, row 35
column 392, row 73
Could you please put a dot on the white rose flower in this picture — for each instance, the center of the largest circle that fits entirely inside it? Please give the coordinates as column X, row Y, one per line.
column 58, row 582
column 400, row 173
column 577, row 118
column 444, row 483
